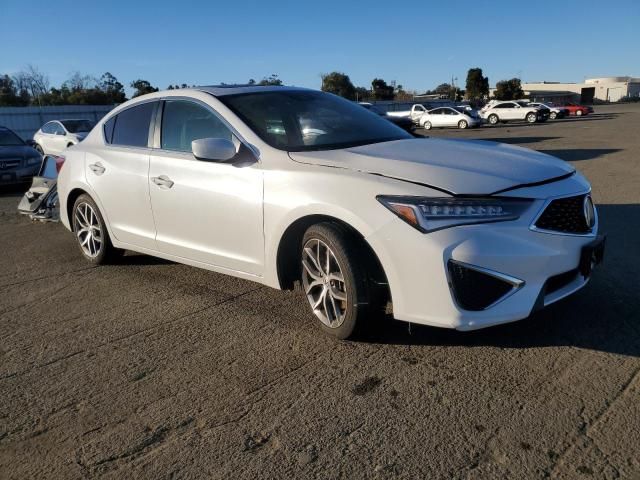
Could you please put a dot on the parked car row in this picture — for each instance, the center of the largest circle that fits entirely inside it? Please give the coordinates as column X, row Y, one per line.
column 494, row 112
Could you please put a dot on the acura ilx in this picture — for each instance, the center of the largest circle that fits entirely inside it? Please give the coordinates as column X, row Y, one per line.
column 294, row 187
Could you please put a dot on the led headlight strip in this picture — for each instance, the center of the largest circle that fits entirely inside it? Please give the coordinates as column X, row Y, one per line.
column 431, row 214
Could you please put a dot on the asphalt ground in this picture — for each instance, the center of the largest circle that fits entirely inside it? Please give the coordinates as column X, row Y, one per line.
column 150, row 369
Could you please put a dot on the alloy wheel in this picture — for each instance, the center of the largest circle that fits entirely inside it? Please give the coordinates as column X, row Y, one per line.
column 88, row 230
column 324, row 283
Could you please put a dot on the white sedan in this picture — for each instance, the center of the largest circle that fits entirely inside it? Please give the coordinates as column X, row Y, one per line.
column 457, row 234
column 54, row 136
column 449, row 117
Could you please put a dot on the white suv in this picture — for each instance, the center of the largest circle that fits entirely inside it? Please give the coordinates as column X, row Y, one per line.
column 507, row 111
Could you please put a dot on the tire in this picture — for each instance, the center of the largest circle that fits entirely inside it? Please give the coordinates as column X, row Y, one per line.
column 39, row 149
column 427, row 125
column 91, row 232
column 553, row 115
column 329, row 253
column 493, row 119
column 462, row 124
column 531, row 117
column 70, row 145
column 578, row 113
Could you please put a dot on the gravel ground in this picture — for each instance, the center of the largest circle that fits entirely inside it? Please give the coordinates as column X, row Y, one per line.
column 150, row 369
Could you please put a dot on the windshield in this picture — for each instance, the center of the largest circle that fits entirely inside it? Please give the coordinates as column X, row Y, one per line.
column 306, row 120
column 9, row 139
column 76, row 126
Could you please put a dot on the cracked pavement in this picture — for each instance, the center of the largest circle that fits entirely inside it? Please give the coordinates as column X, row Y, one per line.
column 150, row 369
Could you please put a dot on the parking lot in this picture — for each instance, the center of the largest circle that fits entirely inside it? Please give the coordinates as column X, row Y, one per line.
column 150, row 369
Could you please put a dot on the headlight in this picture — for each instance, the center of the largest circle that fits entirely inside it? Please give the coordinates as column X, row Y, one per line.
column 34, row 161
column 431, row 214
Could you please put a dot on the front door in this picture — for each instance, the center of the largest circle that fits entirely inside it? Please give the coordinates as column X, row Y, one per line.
column 205, row 211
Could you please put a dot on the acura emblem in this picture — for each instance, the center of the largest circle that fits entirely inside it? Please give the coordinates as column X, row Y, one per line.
column 589, row 211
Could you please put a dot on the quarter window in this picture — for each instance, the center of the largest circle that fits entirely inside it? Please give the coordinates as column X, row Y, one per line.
column 184, row 121
column 131, row 127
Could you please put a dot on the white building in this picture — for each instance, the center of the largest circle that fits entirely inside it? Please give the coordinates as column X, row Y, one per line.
column 607, row 89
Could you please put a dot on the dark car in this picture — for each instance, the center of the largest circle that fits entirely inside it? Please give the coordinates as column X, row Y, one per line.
column 404, row 123
column 19, row 162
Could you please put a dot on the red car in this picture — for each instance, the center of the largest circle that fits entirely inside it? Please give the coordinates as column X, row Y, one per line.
column 577, row 110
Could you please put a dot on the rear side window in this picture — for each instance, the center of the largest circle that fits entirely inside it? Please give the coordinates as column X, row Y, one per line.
column 131, row 127
column 48, row 128
column 108, row 129
column 184, row 121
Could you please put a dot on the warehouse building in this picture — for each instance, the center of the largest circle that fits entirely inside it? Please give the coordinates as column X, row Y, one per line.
column 606, row 89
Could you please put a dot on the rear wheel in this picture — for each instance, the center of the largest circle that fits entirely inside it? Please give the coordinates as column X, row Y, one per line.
column 39, row 149
column 91, row 232
column 334, row 279
column 493, row 119
column 462, row 124
column 427, row 125
column 532, row 117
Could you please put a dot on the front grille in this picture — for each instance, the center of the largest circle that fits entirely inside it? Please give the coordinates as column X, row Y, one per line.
column 6, row 164
column 564, row 215
column 475, row 290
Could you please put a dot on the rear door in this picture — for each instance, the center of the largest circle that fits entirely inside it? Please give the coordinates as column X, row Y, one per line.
column 205, row 211
column 118, row 172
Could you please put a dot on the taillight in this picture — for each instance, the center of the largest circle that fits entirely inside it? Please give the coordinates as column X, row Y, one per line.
column 59, row 162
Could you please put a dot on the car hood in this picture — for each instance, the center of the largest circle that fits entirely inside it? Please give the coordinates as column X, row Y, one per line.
column 17, row 151
column 463, row 167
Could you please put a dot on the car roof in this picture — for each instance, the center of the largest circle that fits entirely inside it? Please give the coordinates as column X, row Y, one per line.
column 223, row 90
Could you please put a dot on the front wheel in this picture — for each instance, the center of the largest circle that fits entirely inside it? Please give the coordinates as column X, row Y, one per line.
column 553, row 115
column 334, row 279
column 493, row 119
column 532, row 117
column 91, row 232
column 462, row 124
column 578, row 113
column 427, row 125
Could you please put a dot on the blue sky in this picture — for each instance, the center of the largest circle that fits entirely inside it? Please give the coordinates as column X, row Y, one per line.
column 418, row 44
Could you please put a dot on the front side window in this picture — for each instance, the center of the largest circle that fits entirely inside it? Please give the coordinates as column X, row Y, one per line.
column 295, row 120
column 131, row 127
column 184, row 121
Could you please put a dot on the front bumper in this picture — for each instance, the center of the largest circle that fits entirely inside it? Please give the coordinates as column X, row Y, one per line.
column 546, row 264
column 18, row 175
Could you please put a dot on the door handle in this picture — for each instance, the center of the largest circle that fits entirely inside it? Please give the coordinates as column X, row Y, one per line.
column 97, row 168
column 162, row 181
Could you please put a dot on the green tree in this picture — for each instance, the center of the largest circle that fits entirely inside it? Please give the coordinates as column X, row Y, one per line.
column 9, row 95
column 339, row 84
column 142, row 87
column 509, row 89
column 382, row 91
column 112, row 88
column 270, row 80
column 477, row 86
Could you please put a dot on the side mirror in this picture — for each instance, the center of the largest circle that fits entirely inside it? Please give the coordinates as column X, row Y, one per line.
column 214, row 149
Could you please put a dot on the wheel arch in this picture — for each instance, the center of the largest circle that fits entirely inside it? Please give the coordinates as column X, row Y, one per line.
column 288, row 251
